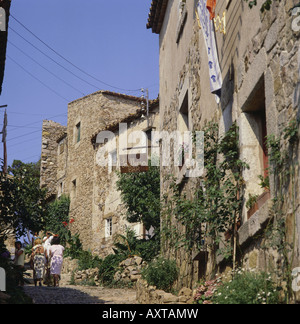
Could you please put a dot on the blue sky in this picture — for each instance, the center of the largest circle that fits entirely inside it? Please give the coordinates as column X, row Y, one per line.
column 106, row 39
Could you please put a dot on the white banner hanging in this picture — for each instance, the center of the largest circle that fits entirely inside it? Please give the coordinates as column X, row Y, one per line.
column 207, row 26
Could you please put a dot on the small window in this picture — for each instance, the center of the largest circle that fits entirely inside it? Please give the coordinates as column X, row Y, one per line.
column 182, row 9
column 60, row 189
column 108, row 227
column 78, row 132
column 149, row 141
column 74, row 188
column 61, row 147
column 184, row 115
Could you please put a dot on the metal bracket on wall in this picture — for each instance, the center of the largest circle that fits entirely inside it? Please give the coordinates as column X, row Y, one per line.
column 220, row 23
column 198, row 19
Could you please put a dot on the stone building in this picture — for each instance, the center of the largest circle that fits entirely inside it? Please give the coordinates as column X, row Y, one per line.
column 259, row 59
column 69, row 167
column 113, row 152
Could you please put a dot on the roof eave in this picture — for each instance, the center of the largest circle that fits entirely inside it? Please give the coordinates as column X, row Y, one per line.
column 157, row 15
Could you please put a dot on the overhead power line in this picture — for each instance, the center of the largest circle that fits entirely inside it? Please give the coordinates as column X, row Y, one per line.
column 50, row 58
column 68, row 61
column 14, row 138
column 56, row 76
column 44, row 118
column 44, row 84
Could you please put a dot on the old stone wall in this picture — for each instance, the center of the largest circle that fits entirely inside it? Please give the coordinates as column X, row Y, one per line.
column 69, row 165
column 107, row 203
column 89, row 115
column 49, row 164
column 150, row 295
column 259, row 59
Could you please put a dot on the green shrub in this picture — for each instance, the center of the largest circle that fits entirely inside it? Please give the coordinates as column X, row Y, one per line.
column 86, row 260
column 58, row 214
column 248, row 288
column 109, row 268
column 148, row 249
column 128, row 245
column 161, row 273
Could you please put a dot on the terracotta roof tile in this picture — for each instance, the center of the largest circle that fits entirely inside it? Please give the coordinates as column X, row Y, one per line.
column 157, row 15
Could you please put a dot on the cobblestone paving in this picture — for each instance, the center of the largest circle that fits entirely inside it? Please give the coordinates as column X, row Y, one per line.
column 80, row 295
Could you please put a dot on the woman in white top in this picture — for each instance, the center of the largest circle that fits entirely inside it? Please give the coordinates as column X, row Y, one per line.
column 47, row 243
column 56, row 253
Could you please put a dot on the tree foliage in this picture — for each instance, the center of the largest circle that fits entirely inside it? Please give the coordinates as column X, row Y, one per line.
column 58, row 217
column 23, row 204
column 141, row 194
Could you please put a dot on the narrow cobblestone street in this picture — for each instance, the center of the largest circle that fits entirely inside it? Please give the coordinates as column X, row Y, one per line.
column 80, row 295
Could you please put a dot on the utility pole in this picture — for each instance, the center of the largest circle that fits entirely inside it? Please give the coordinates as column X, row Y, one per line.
column 4, row 134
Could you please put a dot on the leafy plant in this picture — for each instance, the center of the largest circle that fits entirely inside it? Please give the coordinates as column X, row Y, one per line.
column 283, row 155
column 161, row 273
column 23, row 204
column 216, row 207
column 109, row 267
column 86, row 260
column 57, row 218
column 251, row 201
column 129, row 245
column 247, row 288
column 264, row 182
column 140, row 192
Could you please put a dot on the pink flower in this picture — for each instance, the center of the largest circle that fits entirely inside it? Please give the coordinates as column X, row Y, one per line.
column 207, row 302
column 209, row 294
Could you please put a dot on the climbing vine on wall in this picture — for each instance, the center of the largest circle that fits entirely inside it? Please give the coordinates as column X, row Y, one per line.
column 212, row 213
column 280, row 233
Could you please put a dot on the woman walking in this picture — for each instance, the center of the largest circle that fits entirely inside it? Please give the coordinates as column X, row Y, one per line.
column 56, row 253
column 47, row 245
column 38, row 259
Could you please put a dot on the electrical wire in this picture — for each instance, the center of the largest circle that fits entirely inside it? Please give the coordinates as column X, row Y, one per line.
column 37, row 122
column 26, row 141
column 68, row 61
column 53, row 74
column 50, row 58
column 14, row 138
column 22, row 126
column 44, row 84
